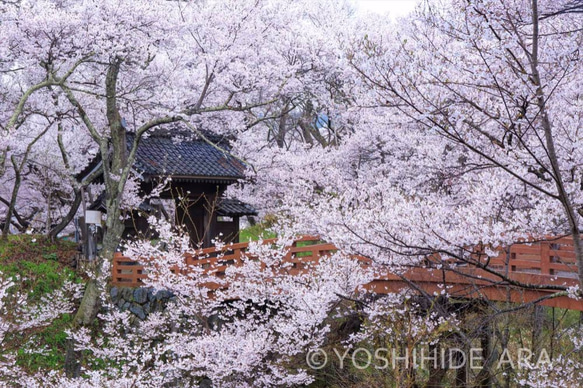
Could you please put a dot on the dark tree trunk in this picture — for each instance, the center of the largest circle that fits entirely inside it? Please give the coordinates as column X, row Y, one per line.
column 436, row 372
column 68, row 217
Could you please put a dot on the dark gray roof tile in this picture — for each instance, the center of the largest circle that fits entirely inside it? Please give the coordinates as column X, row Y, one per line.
column 234, row 207
column 187, row 159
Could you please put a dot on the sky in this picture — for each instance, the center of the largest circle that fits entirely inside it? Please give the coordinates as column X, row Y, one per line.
column 395, row 8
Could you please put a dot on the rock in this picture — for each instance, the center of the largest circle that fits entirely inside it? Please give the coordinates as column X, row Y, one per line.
column 160, row 295
column 141, row 301
column 141, row 295
column 163, row 294
column 113, row 292
column 138, row 311
column 158, row 305
column 127, row 293
column 206, row 383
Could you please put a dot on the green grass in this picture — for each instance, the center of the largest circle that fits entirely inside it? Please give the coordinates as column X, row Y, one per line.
column 38, row 279
column 255, row 232
column 23, row 246
column 41, row 266
column 38, row 267
column 260, row 230
column 51, row 339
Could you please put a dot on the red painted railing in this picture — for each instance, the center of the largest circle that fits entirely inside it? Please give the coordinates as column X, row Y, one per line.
column 536, row 264
column 304, row 251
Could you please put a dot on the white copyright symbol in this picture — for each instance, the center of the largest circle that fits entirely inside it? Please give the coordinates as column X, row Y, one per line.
column 316, row 359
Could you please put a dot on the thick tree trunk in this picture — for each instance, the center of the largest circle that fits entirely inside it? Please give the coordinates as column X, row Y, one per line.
column 91, row 302
column 537, row 329
column 281, row 130
column 461, row 375
column 86, row 313
column 115, row 174
column 116, row 162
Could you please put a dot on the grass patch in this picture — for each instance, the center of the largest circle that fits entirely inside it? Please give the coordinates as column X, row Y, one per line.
column 256, row 232
column 38, row 266
column 35, row 248
column 261, row 231
column 46, row 347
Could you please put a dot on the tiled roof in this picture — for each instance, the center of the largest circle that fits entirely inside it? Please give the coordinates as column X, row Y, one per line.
column 234, row 207
column 226, row 207
column 194, row 159
column 99, row 204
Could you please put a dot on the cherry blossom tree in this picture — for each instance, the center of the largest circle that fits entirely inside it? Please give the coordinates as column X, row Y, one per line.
column 118, row 66
column 394, row 141
column 465, row 132
column 25, row 120
column 39, row 190
column 255, row 332
column 499, row 90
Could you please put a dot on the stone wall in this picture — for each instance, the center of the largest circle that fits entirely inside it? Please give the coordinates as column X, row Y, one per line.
column 140, row 301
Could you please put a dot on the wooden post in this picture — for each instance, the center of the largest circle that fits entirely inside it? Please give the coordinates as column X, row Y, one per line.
column 545, row 260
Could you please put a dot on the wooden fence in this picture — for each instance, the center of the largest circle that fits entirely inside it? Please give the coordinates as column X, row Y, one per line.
column 304, row 251
column 540, row 263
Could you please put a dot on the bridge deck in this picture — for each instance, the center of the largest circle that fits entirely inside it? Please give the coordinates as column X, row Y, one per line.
column 537, row 264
